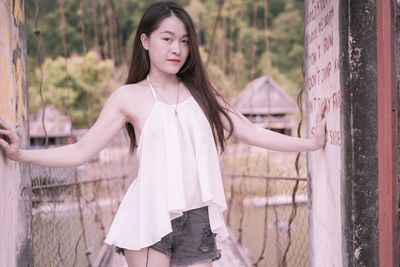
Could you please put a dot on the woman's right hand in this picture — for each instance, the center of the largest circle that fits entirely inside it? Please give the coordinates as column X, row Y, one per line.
column 9, row 141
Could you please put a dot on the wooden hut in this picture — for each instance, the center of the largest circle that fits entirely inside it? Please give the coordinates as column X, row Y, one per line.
column 266, row 104
column 58, row 128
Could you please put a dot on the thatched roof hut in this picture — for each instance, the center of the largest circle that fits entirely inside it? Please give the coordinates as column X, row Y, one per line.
column 266, row 104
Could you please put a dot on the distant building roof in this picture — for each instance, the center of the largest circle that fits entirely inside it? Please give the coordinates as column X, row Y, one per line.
column 264, row 96
column 56, row 123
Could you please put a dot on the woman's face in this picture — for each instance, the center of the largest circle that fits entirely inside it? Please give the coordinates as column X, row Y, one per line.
column 168, row 45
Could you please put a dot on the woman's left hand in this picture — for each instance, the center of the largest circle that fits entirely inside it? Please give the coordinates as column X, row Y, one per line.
column 9, row 141
column 319, row 137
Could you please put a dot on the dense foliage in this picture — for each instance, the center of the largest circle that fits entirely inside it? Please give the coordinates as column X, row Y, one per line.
column 77, row 81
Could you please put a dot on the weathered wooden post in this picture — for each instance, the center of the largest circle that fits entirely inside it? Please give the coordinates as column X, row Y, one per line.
column 350, row 63
column 15, row 189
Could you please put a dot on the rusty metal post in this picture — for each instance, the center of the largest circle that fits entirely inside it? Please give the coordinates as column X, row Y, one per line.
column 387, row 133
column 15, row 189
column 397, row 15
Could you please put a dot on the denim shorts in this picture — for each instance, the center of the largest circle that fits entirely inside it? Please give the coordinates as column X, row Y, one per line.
column 191, row 240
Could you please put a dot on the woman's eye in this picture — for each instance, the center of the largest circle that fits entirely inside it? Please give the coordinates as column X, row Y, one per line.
column 166, row 39
column 185, row 41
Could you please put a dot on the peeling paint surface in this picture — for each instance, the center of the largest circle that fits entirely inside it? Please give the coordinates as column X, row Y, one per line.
column 5, row 69
column 15, row 202
column 18, row 11
column 323, row 63
column 13, row 74
column 359, row 122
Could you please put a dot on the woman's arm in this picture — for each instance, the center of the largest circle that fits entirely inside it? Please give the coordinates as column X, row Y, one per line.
column 108, row 124
column 257, row 136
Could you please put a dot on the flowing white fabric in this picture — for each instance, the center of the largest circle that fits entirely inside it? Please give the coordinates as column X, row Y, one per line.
column 178, row 170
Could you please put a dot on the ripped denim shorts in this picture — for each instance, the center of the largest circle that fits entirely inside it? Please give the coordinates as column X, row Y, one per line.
column 191, row 240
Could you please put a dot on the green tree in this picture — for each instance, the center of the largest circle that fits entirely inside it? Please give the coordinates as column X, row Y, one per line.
column 115, row 23
column 77, row 86
column 287, row 43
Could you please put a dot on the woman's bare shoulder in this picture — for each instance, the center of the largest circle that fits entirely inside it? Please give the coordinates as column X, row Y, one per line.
column 134, row 99
column 134, row 91
column 130, row 93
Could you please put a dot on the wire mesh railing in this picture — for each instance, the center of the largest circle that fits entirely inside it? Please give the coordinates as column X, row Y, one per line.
column 73, row 208
column 267, row 205
column 268, row 212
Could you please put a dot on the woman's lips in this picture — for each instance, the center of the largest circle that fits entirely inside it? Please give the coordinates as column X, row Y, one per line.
column 174, row 61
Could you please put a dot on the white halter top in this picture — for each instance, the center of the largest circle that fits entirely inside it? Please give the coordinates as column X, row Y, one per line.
column 178, row 170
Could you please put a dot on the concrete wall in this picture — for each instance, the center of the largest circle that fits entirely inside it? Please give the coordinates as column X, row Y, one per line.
column 323, row 83
column 344, row 176
column 15, row 189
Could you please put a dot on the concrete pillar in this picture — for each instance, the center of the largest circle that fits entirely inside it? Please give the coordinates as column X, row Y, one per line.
column 341, row 68
column 15, row 189
column 360, row 134
column 323, row 83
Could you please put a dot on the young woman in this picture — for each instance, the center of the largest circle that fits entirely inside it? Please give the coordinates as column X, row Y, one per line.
column 175, row 118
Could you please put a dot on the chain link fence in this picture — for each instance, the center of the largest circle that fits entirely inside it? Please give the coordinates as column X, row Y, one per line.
column 267, row 204
column 73, row 208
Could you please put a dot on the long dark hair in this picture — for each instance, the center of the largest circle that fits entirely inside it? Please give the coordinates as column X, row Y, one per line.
column 192, row 73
